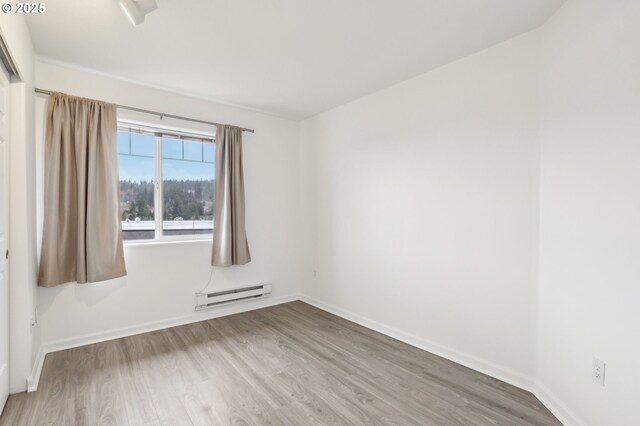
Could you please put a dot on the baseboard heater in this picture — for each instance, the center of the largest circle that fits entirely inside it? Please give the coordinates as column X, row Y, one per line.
column 231, row 295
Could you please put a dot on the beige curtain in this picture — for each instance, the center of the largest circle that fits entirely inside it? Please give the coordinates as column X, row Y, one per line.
column 230, row 245
column 82, row 239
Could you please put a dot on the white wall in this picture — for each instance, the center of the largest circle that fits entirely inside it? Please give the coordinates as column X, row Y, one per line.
column 23, row 338
column 163, row 277
column 425, row 209
column 590, row 209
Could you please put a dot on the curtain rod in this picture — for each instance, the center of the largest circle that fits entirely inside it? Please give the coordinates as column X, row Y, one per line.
column 161, row 114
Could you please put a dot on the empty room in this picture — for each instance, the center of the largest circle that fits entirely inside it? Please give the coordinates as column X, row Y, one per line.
column 336, row 212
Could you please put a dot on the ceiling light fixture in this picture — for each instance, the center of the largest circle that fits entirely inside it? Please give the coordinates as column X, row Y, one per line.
column 137, row 9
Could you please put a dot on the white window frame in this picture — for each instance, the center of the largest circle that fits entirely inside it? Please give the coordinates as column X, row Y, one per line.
column 166, row 132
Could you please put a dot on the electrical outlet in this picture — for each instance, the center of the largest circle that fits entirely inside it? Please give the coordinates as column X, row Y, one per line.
column 597, row 371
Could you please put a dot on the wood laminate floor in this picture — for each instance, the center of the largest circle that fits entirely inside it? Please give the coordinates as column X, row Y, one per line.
column 288, row 364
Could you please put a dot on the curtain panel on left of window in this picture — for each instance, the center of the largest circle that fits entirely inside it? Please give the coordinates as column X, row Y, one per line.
column 81, row 239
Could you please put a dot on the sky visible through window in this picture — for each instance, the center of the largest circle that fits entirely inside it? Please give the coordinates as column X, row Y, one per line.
column 139, row 165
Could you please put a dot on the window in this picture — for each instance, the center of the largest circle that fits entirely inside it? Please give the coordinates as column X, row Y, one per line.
column 166, row 183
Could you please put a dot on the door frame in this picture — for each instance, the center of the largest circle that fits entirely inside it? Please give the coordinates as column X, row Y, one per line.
column 5, row 83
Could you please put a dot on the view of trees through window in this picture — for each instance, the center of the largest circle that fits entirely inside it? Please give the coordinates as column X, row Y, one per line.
column 137, row 200
column 188, row 189
column 187, row 199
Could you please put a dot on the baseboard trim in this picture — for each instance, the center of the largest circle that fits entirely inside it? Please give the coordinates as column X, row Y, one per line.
column 36, row 371
column 554, row 404
column 88, row 339
column 489, row 368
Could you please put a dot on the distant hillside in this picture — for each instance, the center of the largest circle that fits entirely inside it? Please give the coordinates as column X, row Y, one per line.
column 188, row 199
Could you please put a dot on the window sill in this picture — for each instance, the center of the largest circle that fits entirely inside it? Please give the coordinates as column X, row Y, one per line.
column 134, row 243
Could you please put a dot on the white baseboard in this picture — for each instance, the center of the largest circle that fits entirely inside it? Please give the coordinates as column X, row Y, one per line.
column 487, row 367
column 88, row 339
column 36, row 371
column 553, row 403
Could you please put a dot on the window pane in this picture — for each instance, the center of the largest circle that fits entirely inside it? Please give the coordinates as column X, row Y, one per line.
column 172, row 148
column 144, row 145
column 123, row 142
column 208, row 152
column 136, row 187
column 193, row 151
column 187, row 191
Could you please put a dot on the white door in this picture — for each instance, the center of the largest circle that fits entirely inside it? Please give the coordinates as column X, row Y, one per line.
column 4, row 213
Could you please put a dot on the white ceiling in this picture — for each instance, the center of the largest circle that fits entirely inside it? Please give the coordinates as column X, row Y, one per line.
column 293, row 58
